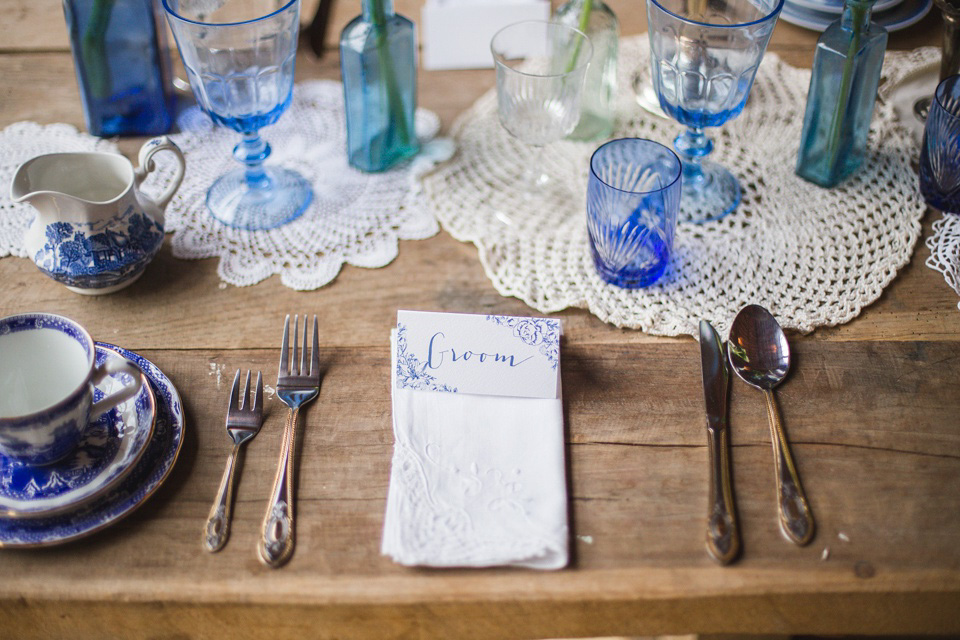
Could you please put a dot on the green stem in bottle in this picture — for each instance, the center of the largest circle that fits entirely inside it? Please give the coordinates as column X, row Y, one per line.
column 585, row 12
column 394, row 100
column 93, row 49
column 857, row 12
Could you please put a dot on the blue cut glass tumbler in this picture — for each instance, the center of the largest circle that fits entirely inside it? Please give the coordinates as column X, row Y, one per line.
column 239, row 57
column 633, row 197
column 704, row 59
column 940, row 152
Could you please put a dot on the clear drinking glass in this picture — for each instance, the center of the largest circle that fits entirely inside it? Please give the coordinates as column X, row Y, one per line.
column 540, row 71
column 704, row 58
column 940, row 152
column 239, row 57
column 633, row 196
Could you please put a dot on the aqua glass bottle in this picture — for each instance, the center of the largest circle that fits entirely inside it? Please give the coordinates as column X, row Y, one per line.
column 843, row 91
column 379, row 69
column 597, row 102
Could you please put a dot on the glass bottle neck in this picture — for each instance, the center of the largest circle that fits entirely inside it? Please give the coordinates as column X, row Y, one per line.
column 377, row 10
column 856, row 15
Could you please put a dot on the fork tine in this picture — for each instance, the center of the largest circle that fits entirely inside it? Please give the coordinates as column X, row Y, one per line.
column 303, row 353
column 315, row 351
column 284, row 362
column 296, row 333
column 258, row 399
column 245, row 398
column 234, row 399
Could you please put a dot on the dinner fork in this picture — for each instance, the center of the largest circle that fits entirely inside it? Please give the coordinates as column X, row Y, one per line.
column 243, row 423
column 296, row 386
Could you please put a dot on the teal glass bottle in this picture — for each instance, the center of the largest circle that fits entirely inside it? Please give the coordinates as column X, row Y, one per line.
column 843, row 91
column 597, row 102
column 379, row 71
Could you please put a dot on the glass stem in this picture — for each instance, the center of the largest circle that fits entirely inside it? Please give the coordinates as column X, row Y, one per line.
column 252, row 151
column 692, row 146
column 535, row 175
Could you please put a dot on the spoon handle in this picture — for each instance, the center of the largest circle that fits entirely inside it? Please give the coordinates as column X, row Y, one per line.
column 796, row 519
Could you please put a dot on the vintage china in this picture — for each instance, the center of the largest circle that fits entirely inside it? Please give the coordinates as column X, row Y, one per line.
column 47, row 371
column 94, row 231
column 836, row 6
column 111, row 447
column 901, row 16
column 143, row 481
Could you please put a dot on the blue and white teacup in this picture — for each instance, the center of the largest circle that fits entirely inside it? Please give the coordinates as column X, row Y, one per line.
column 47, row 373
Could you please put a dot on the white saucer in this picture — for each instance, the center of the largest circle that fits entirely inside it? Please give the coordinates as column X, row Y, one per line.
column 836, row 6
column 111, row 447
column 905, row 14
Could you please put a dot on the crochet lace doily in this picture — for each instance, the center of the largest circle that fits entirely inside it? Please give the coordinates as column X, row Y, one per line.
column 944, row 242
column 354, row 217
column 813, row 256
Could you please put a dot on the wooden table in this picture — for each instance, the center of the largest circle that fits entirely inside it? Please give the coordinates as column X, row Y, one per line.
column 872, row 409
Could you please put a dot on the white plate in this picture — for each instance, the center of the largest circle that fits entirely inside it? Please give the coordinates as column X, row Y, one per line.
column 110, row 448
column 905, row 14
column 836, row 6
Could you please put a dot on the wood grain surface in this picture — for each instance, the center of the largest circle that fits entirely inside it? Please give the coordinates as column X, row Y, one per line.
column 871, row 408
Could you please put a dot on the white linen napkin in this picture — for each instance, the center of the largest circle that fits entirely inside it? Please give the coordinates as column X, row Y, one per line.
column 476, row 481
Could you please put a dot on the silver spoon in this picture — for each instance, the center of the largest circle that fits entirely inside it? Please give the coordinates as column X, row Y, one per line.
column 760, row 355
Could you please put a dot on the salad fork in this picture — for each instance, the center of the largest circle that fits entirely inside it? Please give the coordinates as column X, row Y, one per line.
column 243, row 423
column 296, row 386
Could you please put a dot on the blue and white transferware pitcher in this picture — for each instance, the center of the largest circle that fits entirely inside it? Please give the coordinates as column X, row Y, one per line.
column 94, row 231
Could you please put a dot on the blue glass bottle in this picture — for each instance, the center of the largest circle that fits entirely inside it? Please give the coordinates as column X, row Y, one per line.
column 843, row 91
column 378, row 66
column 123, row 66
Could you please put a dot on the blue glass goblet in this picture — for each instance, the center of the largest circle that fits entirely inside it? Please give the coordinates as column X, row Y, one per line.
column 239, row 57
column 633, row 196
column 704, row 58
column 940, row 152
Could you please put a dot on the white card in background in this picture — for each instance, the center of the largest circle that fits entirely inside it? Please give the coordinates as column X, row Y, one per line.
column 478, row 354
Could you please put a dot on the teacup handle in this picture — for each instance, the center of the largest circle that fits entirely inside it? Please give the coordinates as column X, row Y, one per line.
column 115, row 365
column 150, row 147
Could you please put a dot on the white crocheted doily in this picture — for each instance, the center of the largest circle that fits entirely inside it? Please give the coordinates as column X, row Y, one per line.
column 18, row 143
column 813, row 256
column 355, row 217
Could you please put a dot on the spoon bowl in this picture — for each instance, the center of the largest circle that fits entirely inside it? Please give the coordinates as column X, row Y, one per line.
column 759, row 351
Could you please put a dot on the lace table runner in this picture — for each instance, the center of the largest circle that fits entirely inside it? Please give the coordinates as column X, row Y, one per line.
column 354, row 218
column 813, row 256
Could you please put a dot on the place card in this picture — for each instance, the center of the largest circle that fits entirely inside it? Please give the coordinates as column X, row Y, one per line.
column 478, row 354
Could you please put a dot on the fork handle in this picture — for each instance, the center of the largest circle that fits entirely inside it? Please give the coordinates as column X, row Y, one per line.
column 276, row 539
column 217, row 529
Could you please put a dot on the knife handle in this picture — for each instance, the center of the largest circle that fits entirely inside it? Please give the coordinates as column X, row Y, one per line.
column 723, row 535
column 796, row 519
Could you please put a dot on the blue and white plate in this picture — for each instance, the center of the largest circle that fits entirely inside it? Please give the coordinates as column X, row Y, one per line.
column 147, row 475
column 111, row 447
column 836, row 6
column 905, row 14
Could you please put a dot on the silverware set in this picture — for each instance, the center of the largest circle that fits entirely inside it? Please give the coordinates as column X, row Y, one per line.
column 298, row 382
column 758, row 352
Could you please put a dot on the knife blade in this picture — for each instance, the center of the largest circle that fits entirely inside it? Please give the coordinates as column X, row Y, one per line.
column 723, row 536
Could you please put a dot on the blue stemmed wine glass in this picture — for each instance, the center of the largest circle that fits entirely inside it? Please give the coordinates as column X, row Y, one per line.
column 705, row 55
column 239, row 57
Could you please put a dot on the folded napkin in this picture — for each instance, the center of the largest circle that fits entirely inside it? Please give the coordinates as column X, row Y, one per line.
column 476, row 480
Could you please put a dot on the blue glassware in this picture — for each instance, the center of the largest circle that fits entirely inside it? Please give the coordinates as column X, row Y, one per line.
column 940, row 152
column 633, row 196
column 123, row 66
column 239, row 57
column 843, row 91
column 704, row 59
column 379, row 69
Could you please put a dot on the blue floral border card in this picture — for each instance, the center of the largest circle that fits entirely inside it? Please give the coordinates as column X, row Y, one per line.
column 478, row 354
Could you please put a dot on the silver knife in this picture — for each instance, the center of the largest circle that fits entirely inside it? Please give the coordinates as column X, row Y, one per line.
column 723, row 537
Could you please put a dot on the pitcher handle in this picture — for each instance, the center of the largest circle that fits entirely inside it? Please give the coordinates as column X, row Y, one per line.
column 150, row 147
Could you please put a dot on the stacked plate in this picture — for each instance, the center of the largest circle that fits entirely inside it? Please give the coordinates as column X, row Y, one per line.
column 124, row 456
column 819, row 14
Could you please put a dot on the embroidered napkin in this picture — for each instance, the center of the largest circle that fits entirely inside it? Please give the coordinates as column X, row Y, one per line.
column 476, row 480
